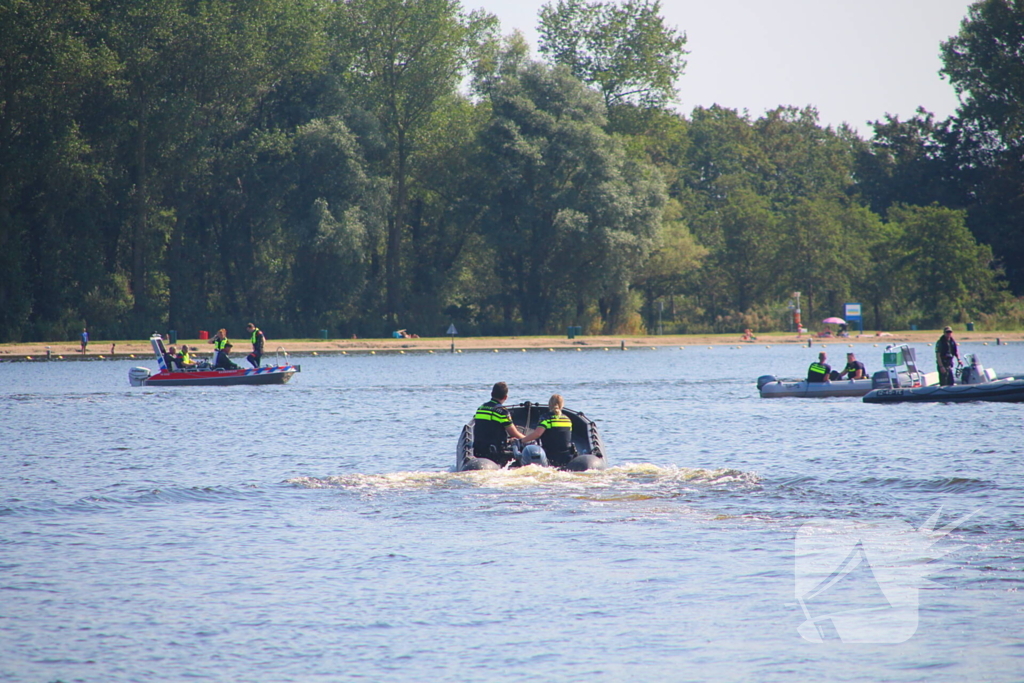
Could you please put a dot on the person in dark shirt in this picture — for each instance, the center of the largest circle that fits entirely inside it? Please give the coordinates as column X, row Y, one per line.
column 258, row 340
column 223, row 361
column 555, row 433
column 946, row 350
column 492, row 427
column 854, row 368
column 819, row 371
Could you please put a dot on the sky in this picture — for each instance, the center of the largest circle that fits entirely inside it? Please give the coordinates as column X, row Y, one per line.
column 853, row 60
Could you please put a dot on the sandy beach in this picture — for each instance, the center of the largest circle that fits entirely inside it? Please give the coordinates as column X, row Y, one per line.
column 100, row 349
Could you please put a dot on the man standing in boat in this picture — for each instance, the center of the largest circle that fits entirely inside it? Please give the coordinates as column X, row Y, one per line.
column 258, row 340
column 492, row 427
column 819, row 371
column 946, row 350
column 854, row 368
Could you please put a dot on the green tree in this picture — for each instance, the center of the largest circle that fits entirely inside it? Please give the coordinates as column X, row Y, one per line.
column 624, row 50
column 983, row 63
column 951, row 274
column 570, row 216
column 407, row 58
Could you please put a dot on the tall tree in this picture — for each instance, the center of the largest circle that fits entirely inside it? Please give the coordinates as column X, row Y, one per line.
column 571, row 216
column 624, row 50
column 407, row 58
column 984, row 64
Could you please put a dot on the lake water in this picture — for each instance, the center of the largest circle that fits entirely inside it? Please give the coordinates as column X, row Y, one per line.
column 314, row 531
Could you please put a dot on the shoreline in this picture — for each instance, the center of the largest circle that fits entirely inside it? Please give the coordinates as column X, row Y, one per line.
column 141, row 350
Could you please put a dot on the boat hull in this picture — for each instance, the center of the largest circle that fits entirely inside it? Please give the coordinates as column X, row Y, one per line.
column 805, row 389
column 999, row 391
column 590, row 449
column 277, row 374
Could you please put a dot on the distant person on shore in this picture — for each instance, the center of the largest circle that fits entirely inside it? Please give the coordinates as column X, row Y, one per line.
column 224, row 361
column 819, row 371
column 854, row 368
column 258, row 340
column 946, row 349
column 492, row 427
column 84, row 339
column 555, row 433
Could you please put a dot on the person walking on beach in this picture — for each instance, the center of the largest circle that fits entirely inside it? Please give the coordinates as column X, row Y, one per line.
column 85, row 339
column 946, row 350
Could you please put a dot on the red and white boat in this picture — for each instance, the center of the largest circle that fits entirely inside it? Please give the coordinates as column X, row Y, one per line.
column 205, row 376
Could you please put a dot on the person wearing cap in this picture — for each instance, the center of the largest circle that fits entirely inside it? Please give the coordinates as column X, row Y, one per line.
column 819, row 371
column 945, row 351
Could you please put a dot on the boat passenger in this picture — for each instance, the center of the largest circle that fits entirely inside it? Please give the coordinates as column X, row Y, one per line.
column 555, row 433
column 219, row 341
column 223, row 361
column 185, row 358
column 171, row 358
column 492, row 427
column 854, row 368
column 819, row 371
column 258, row 340
column 946, row 350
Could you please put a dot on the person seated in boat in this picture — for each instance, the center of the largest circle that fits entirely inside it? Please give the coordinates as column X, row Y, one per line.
column 224, row 362
column 854, row 368
column 171, row 358
column 492, row 428
column 819, row 371
column 184, row 359
column 555, row 433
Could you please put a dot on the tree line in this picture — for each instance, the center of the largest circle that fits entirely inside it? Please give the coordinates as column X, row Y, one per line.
column 359, row 166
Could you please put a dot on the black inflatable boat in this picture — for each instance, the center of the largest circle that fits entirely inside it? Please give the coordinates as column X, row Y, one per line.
column 590, row 453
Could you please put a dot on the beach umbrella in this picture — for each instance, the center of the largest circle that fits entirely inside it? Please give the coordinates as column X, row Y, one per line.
column 834, row 321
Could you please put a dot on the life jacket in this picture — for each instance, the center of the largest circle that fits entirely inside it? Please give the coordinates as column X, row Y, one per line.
column 557, row 437
column 817, row 372
column 489, row 424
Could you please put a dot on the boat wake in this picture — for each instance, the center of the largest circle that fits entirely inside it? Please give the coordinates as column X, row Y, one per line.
column 639, row 474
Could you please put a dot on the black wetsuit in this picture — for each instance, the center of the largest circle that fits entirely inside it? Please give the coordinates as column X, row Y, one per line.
column 490, row 440
column 557, row 439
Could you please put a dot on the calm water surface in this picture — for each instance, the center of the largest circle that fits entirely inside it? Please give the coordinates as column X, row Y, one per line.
column 314, row 531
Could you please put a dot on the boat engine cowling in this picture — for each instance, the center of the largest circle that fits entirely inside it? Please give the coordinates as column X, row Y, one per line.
column 533, row 455
column 138, row 376
column 765, row 379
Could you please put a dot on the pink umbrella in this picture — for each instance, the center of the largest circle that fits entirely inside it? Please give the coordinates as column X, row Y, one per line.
column 834, row 321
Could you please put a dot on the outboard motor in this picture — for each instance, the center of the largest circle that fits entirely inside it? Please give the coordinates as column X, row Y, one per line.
column 533, row 455
column 138, row 376
column 972, row 372
column 765, row 379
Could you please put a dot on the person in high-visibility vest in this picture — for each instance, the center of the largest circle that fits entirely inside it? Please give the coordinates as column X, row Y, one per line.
column 820, row 370
column 219, row 341
column 492, row 427
column 258, row 340
column 555, row 433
